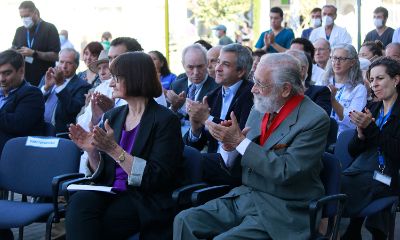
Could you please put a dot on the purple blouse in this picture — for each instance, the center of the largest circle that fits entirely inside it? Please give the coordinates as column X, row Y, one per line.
column 127, row 141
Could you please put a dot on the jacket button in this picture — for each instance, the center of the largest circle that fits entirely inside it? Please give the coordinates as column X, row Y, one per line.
column 250, row 170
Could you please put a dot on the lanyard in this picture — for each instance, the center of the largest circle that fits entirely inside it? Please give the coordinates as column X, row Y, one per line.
column 381, row 121
column 28, row 37
column 341, row 90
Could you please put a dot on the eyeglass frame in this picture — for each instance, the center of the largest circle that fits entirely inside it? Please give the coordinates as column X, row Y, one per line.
column 260, row 86
column 340, row 59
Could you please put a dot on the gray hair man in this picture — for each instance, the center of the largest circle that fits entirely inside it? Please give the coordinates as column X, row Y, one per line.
column 281, row 160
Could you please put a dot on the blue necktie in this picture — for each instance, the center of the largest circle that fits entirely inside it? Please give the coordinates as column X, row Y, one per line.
column 192, row 92
column 50, row 106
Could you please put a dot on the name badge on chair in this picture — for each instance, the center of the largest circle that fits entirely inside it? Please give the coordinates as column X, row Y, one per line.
column 29, row 60
column 385, row 179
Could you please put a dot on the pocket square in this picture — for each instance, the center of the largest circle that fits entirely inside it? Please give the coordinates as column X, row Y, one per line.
column 279, row 146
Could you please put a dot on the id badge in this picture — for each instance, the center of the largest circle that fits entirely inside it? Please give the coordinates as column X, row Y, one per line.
column 385, row 179
column 29, row 60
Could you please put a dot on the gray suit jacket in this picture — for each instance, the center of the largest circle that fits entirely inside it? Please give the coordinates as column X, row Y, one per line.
column 283, row 181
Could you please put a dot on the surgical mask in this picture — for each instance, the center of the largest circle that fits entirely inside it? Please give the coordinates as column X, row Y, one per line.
column 63, row 39
column 327, row 21
column 315, row 22
column 378, row 22
column 27, row 21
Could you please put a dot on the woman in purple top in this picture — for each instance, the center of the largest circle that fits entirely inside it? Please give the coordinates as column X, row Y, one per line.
column 162, row 68
column 138, row 152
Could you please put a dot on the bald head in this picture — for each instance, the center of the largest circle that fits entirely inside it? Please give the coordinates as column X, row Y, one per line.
column 212, row 59
column 393, row 51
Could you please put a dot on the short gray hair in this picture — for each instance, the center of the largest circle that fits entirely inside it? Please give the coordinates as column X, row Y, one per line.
column 195, row 46
column 286, row 70
column 354, row 75
column 244, row 60
column 330, row 6
column 71, row 50
column 300, row 55
column 326, row 42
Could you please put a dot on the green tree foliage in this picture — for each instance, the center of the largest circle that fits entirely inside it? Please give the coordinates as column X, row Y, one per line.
column 213, row 12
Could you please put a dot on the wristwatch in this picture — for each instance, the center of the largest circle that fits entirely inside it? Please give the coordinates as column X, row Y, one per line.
column 35, row 54
column 121, row 157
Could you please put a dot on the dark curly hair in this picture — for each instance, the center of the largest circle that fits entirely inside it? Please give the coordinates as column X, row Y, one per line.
column 391, row 65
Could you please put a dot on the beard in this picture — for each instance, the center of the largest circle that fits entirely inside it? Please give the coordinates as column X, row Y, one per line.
column 267, row 104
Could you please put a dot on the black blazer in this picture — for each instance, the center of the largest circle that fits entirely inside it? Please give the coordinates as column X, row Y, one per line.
column 70, row 102
column 22, row 115
column 159, row 142
column 388, row 140
column 321, row 95
column 181, row 84
column 241, row 105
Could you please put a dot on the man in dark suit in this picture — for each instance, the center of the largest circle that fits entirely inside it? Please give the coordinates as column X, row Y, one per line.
column 64, row 92
column 21, row 105
column 281, row 160
column 196, row 84
column 234, row 95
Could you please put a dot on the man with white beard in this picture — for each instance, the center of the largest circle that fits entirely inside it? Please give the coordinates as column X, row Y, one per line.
column 280, row 157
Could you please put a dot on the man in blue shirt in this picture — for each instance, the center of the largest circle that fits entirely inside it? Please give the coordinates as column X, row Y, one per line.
column 278, row 38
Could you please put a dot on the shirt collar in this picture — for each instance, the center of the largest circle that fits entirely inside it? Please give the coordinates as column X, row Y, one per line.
column 232, row 89
column 198, row 85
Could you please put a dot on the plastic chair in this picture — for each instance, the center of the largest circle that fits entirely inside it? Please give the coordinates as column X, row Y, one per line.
column 391, row 202
column 332, row 204
column 37, row 172
column 341, row 148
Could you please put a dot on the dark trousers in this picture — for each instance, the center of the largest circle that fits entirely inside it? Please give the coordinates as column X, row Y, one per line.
column 215, row 172
column 97, row 215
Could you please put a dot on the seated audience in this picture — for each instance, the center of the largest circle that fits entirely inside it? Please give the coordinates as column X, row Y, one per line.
column 280, row 157
column 257, row 54
column 344, row 78
column 64, row 92
column 164, row 74
column 321, row 58
column 134, row 155
column 376, row 149
column 307, row 47
column 371, row 50
column 393, row 50
column 194, row 85
column 90, row 54
column 233, row 95
column 21, row 104
column 321, row 95
column 212, row 58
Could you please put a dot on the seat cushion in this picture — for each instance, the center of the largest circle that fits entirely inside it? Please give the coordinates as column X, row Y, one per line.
column 15, row 214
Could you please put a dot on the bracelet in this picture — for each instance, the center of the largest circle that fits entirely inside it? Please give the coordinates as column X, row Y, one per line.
column 121, row 157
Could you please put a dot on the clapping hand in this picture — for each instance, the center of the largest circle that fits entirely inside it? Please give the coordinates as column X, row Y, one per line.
column 228, row 132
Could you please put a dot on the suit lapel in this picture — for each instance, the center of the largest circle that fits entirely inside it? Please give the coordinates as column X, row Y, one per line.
column 235, row 98
column 119, row 122
column 283, row 129
column 205, row 89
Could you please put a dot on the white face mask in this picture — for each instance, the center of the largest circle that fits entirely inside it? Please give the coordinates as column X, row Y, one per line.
column 27, row 21
column 315, row 22
column 378, row 22
column 327, row 21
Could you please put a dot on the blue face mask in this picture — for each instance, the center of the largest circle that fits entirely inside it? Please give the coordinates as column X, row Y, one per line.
column 63, row 39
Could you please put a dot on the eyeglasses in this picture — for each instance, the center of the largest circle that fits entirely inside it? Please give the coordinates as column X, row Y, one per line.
column 339, row 59
column 261, row 86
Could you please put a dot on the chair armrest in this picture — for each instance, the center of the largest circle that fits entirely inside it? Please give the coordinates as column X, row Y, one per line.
column 316, row 207
column 57, row 180
column 204, row 195
column 181, row 194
